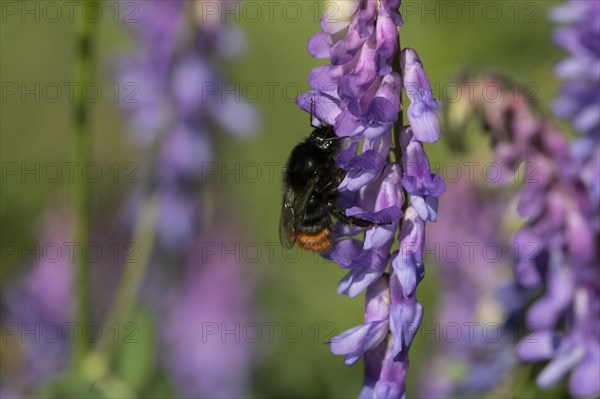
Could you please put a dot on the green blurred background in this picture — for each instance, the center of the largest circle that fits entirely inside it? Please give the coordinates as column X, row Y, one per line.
column 517, row 42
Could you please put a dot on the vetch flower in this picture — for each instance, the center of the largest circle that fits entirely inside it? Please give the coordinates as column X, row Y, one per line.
column 214, row 296
column 561, row 227
column 183, row 101
column 476, row 291
column 39, row 302
column 179, row 99
column 579, row 97
column 359, row 94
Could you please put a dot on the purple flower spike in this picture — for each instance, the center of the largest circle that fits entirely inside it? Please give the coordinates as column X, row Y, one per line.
column 465, row 285
column 180, row 96
column 42, row 297
column 423, row 108
column 556, row 242
column 579, row 97
column 360, row 94
column 214, row 293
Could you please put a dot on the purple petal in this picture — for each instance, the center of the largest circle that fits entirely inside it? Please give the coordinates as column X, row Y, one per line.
column 347, row 124
column 391, row 384
column 385, row 105
column 387, row 42
column 362, row 170
column 390, row 190
column 319, row 45
column 405, row 319
column 353, row 85
column 417, row 179
column 357, row 280
column 408, row 264
column 346, row 155
column 326, row 107
column 584, row 381
column 377, row 300
column 184, row 153
column 423, row 108
column 426, row 207
column 238, row 118
column 373, row 364
column 527, row 274
column 559, row 366
column 545, row 312
column 365, row 16
column 345, row 251
column 189, row 79
column 355, row 342
column 381, row 236
column 375, row 130
column 344, row 50
column 393, row 8
column 538, row 346
column 325, row 78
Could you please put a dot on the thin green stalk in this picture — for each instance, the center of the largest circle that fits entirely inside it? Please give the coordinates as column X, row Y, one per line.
column 123, row 304
column 80, row 193
column 96, row 366
column 400, row 121
column 399, row 124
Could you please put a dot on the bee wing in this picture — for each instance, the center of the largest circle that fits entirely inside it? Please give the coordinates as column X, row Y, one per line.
column 287, row 220
column 293, row 209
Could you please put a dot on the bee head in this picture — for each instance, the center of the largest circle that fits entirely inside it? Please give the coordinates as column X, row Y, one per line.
column 324, row 137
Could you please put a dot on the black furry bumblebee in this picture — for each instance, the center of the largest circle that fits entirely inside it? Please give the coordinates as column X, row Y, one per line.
column 311, row 179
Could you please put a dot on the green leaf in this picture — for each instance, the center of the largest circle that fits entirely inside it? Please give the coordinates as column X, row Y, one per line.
column 160, row 387
column 68, row 385
column 136, row 358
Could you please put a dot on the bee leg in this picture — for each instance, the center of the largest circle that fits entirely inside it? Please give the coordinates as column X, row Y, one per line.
column 351, row 220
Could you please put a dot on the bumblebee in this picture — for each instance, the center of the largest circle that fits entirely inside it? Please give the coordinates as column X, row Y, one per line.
column 311, row 179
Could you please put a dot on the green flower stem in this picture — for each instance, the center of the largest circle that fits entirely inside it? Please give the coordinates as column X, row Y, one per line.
column 124, row 303
column 80, row 193
column 400, row 122
column 96, row 366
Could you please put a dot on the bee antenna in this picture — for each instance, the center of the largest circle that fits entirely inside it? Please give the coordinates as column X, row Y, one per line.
column 336, row 138
column 312, row 106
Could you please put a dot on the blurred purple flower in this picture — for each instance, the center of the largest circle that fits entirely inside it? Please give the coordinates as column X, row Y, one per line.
column 39, row 305
column 180, row 96
column 561, row 226
column 579, row 98
column 359, row 93
column 475, row 292
column 183, row 100
column 208, row 338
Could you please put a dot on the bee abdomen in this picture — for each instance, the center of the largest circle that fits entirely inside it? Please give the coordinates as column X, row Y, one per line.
column 319, row 241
